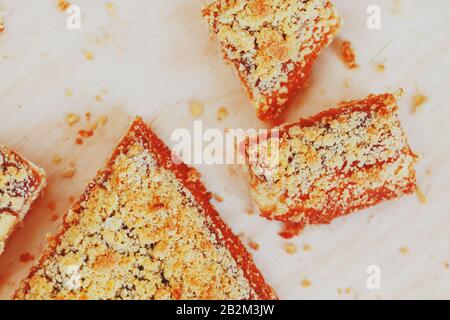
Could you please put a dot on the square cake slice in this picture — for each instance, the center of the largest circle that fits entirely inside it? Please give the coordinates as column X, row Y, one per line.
column 273, row 45
column 335, row 163
column 21, row 182
column 144, row 229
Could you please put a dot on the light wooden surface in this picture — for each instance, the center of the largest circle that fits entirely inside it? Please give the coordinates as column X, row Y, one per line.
column 153, row 57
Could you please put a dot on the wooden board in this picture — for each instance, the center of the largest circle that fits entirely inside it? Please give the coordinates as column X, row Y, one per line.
column 152, row 58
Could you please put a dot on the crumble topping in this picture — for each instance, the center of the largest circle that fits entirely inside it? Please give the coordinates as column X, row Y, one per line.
column 20, row 184
column 272, row 42
column 335, row 163
column 349, row 56
column 139, row 233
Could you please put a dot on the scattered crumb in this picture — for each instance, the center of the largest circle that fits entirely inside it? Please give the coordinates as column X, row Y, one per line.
column 447, row 265
column 51, row 206
column 196, row 108
column 418, row 101
column 339, row 290
column 404, row 250
column 111, row 9
column 396, row 7
column 69, row 172
column 54, row 217
column 306, row 247
column 253, row 245
column 26, row 257
column 348, row 290
column 88, row 55
column 69, row 93
column 88, row 116
column 380, row 67
column 99, row 98
column 306, row 283
column 291, row 230
column 222, row 114
column 217, row 197
column 2, row 25
column 72, row 119
column 79, row 141
column 86, row 133
column 63, row 5
column 56, row 159
column 347, row 83
column 290, row 248
column 348, row 55
column 232, row 170
column 250, row 211
column 102, row 120
column 422, row 197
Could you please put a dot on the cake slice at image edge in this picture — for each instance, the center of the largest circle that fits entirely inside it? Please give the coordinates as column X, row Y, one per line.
column 334, row 163
column 144, row 229
column 21, row 183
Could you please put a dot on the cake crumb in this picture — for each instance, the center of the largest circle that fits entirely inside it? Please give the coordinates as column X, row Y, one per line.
column 222, row 114
column 111, row 9
column 306, row 247
column 72, row 119
column 422, row 197
column 380, row 67
column 306, row 283
column 347, row 83
column 348, row 55
column 56, row 158
column 418, row 101
column 26, row 257
column 396, row 7
column 86, row 133
column 69, row 93
column 69, row 172
column 291, row 230
column 348, row 290
column 51, row 205
column 196, row 108
column 290, row 248
column 404, row 250
column 250, row 211
column 2, row 25
column 88, row 55
column 63, row 5
column 79, row 141
column 339, row 290
column 217, row 197
column 253, row 245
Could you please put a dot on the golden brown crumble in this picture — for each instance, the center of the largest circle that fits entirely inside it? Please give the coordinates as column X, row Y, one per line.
column 348, row 55
column 56, row 159
column 139, row 233
column 418, row 101
column 306, row 283
column 72, row 119
column 253, row 245
column 290, row 248
column 404, row 250
column 63, row 5
column 88, row 55
column 196, row 108
column 380, row 67
column 422, row 197
column 272, row 44
column 222, row 114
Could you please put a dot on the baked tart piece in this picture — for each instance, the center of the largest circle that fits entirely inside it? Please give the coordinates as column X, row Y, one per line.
column 335, row 163
column 144, row 229
column 273, row 45
column 21, row 183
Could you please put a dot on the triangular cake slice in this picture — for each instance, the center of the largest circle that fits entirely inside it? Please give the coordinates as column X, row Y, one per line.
column 144, row 229
column 21, row 182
